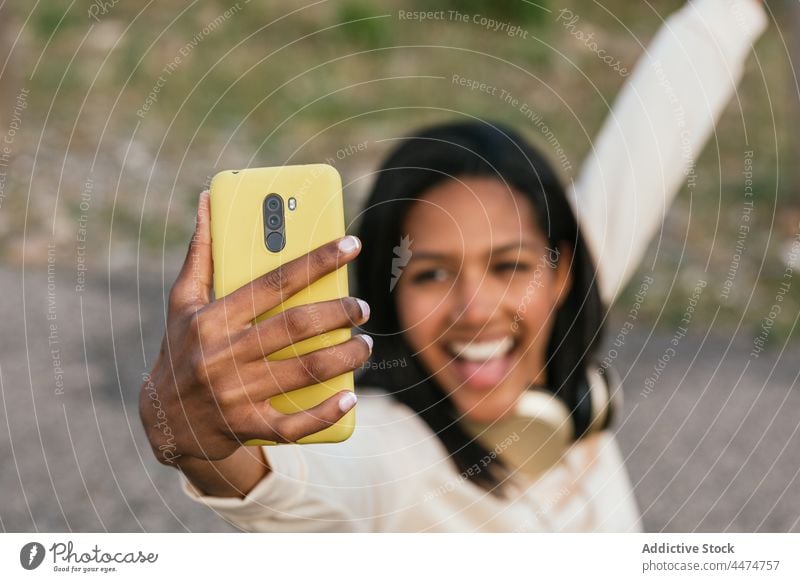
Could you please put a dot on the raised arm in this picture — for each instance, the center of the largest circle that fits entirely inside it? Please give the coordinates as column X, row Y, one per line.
column 659, row 124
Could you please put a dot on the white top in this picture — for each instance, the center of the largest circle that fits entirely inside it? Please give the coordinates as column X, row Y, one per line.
column 394, row 474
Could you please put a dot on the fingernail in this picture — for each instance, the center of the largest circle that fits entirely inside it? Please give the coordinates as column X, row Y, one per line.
column 349, row 244
column 347, row 401
column 364, row 306
column 367, row 340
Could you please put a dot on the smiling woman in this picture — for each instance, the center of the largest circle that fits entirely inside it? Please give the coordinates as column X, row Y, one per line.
column 482, row 209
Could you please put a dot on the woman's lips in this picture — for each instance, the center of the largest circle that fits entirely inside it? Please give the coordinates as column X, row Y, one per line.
column 482, row 365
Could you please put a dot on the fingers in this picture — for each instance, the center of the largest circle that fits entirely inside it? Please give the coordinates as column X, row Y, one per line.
column 321, row 365
column 269, row 290
column 267, row 423
column 300, row 323
column 194, row 282
column 263, row 380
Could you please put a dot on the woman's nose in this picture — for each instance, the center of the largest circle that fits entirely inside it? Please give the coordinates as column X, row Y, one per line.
column 474, row 301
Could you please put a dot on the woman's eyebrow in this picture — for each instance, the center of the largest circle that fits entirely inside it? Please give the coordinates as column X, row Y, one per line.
column 514, row 246
column 429, row 255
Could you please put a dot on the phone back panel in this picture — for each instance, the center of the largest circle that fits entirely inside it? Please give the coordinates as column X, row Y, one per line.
column 241, row 255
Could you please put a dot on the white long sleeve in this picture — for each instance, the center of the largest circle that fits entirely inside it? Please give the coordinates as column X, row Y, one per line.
column 394, row 475
column 657, row 128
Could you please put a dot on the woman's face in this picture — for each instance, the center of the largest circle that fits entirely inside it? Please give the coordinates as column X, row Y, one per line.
column 478, row 297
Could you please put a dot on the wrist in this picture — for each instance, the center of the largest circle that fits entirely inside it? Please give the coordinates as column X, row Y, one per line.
column 233, row 476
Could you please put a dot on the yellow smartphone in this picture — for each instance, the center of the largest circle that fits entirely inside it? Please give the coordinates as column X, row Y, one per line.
column 262, row 218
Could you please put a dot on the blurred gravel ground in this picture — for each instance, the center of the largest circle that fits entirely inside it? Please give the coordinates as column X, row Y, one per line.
column 710, row 449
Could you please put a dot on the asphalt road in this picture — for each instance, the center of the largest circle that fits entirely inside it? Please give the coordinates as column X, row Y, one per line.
column 713, row 446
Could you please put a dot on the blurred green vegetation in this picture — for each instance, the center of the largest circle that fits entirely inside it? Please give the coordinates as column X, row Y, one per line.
column 230, row 84
column 362, row 24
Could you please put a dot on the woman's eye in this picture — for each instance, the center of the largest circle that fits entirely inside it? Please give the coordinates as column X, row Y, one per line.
column 430, row 275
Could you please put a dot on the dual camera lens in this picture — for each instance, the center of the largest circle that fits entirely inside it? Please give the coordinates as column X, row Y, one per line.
column 274, row 235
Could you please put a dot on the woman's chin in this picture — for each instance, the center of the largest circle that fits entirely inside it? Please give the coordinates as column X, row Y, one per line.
column 487, row 405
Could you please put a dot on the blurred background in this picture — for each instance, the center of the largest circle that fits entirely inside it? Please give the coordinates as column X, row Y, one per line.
column 115, row 115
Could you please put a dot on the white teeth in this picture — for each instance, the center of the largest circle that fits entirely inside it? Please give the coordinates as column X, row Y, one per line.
column 482, row 351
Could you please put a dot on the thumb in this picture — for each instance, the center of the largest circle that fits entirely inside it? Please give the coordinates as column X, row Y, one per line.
column 194, row 282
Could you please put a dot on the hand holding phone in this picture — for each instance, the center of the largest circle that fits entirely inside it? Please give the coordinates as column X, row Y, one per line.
column 262, row 219
column 210, row 389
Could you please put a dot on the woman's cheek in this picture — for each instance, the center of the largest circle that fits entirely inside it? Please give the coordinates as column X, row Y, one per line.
column 532, row 308
column 415, row 312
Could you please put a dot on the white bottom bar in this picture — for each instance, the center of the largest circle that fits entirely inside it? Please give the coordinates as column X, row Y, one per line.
column 406, row 557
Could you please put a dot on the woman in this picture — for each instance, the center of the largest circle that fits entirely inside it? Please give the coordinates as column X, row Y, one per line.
column 487, row 218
